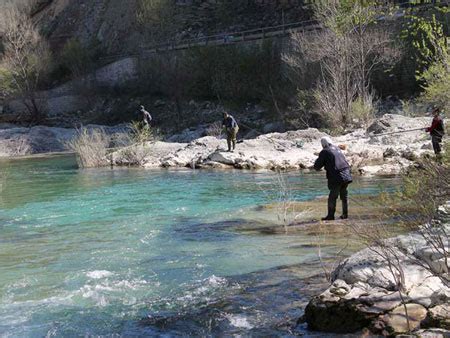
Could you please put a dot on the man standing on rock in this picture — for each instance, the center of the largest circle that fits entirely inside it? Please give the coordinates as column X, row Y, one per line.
column 231, row 128
column 338, row 175
column 147, row 118
column 437, row 132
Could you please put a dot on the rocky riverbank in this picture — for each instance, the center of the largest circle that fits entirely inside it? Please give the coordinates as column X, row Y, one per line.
column 370, row 151
column 365, row 294
column 23, row 141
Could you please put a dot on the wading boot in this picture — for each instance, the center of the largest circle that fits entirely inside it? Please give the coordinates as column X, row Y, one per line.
column 330, row 216
column 331, row 209
column 229, row 145
column 344, row 210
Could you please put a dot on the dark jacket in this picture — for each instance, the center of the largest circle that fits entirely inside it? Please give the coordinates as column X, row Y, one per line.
column 437, row 127
column 229, row 122
column 337, row 167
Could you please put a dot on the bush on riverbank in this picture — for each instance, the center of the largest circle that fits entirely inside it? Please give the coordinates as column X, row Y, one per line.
column 135, row 148
column 90, row 146
column 425, row 186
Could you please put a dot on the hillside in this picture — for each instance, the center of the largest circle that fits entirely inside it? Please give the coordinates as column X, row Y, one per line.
column 105, row 60
column 123, row 26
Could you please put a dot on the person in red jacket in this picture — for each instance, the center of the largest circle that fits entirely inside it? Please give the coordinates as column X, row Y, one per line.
column 436, row 131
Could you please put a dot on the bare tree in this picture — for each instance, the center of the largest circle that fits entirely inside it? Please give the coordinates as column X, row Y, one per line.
column 26, row 56
column 348, row 47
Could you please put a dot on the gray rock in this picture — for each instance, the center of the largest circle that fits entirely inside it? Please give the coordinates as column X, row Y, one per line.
column 251, row 134
column 433, row 333
column 336, row 317
column 409, row 155
column 188, row 135
column 438, row 317
column 389, row 152
column 397, row 320
column 381, row 303
column 35, row 140
column 274, row 127
column 339, row 288
column 378, row 127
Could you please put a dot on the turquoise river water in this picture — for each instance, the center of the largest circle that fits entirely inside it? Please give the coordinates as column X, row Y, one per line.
column 133, row 252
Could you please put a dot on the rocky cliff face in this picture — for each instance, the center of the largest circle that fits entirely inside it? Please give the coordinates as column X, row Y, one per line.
column 111, row 23
column 114, row 24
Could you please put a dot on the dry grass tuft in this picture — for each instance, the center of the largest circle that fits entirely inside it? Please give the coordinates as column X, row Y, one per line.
column 91, row 146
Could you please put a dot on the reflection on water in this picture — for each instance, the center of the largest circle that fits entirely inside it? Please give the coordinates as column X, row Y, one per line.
column 92, row 252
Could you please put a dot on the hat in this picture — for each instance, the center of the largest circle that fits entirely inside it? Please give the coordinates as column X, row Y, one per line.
column 326, row 142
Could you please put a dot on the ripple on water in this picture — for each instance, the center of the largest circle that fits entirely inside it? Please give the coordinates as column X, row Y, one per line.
column 90, row 252
column 239, row 321
column 97, row 274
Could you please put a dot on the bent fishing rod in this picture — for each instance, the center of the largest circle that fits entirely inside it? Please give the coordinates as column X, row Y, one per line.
column 353, row 139
column 386, row 134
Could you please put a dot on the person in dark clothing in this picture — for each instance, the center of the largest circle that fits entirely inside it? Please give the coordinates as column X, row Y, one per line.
column 338, row 175
column 231, row 128
column 436, row 131
column 147, row 118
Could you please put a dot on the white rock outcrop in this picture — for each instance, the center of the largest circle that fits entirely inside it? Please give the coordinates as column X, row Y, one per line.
column 376, row 153
column 369, row 154
column 372, row 287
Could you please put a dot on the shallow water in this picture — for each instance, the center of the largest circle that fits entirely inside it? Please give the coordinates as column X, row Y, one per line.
column 92, row 252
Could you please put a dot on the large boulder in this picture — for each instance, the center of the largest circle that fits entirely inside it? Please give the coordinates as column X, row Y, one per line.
column 372, row 288
column 26, row 141
column 274, row 127
column 336, row 317
column 188, row 135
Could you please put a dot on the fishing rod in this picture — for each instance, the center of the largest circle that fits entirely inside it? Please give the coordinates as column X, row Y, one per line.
column 397, row 132
column 385, row 134
column 353, row 139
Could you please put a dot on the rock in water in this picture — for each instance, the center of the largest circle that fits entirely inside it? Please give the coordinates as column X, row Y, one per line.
column 337, row 317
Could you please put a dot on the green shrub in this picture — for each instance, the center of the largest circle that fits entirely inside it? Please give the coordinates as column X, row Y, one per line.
column 76, row 58
column 141, row 133
column 437, row 84
column 362, row 111
column 425, row 187
column 229, row 73
column 135, row 146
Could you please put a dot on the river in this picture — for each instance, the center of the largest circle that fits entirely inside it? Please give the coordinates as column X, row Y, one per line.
column 141, row 252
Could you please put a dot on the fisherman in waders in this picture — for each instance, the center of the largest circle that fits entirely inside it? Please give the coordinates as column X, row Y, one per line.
column 231, row 128
column 147, row 118
column 338, row 175
column 437, row 132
